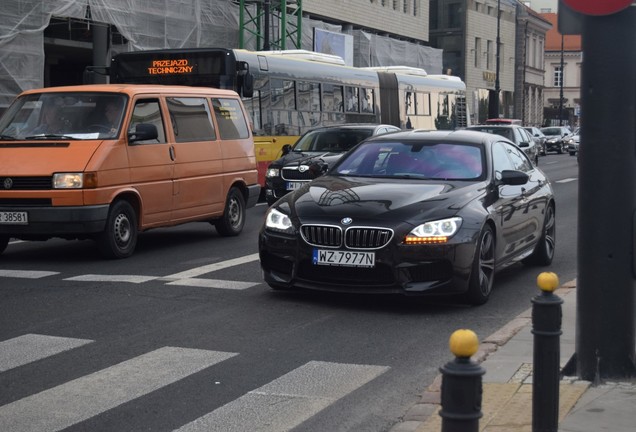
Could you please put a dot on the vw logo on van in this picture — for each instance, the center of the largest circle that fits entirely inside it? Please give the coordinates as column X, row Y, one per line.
column 8, row 183
column 346, row 221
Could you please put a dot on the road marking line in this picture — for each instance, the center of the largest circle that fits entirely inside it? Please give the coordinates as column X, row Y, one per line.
column 112, row 278
column 198, row 271
column 26, row 274
column 32, row 347
column 78, row 400
column 289, row 400
column 214, row 283
column 566, row 180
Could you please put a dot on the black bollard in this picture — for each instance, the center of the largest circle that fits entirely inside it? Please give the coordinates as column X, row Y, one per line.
column 461, row 385
column 546, row 327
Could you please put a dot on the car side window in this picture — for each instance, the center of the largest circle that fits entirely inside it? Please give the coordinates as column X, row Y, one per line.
column 519, row 159
column 148, row 111
column 500, row 159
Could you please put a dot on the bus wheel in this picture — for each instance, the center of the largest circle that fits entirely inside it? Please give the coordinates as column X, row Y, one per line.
column 119, row 238
column 4, row 241
column 233, row 219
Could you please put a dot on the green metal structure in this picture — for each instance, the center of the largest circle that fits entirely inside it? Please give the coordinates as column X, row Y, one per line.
column 271, row 24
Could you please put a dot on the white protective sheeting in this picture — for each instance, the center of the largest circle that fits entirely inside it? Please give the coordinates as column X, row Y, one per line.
column 157, row 24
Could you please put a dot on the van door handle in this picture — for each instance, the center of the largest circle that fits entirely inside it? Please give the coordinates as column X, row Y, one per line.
column 172, row 156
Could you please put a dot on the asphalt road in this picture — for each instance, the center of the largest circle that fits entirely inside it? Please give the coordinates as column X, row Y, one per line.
column 184, row 335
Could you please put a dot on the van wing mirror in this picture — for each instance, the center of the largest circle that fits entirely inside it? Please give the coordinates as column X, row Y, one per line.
column 286, row 149
column 143, row 132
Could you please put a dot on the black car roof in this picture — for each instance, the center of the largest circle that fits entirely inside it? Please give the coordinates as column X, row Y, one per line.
column 460, row 135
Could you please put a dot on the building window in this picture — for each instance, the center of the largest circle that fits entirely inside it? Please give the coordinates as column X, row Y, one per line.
column 489, row 54
column 433, row 13
column 395, row 4
column 558, row 76
column 416, row 7
column 478, row 7
column 454, row 15
column 478, row 52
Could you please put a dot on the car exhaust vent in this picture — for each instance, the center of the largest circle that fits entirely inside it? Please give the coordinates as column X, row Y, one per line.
column 367, row 238
column 322, row 235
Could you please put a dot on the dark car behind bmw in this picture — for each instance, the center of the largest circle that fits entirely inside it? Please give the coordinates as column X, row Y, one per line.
column 312, row 155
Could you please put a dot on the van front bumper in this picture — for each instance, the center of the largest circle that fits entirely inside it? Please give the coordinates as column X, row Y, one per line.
column 46, row 222
column 253, row 193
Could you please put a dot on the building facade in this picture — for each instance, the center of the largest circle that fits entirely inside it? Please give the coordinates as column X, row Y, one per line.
column 563, row 61
column 530, row 65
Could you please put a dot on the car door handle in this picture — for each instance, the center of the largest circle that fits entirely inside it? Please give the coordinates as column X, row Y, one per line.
column 172, row 155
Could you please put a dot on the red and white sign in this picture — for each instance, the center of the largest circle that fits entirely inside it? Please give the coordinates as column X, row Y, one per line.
column 598, row 7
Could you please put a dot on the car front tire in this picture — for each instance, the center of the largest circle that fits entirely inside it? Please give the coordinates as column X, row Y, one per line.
column 482, row 275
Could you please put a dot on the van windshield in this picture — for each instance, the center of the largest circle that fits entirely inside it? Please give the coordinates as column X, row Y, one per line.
column 72, row 115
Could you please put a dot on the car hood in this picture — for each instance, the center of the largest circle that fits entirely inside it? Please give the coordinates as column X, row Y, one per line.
column 328, row 199
column 306, row 158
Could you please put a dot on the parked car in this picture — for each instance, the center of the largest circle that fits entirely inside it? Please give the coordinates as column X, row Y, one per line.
column 573, row 142
column 504, row 121
column 415, row 213
column 517, row 134
column 312, row 154
column 538, row 136
column 556, row 136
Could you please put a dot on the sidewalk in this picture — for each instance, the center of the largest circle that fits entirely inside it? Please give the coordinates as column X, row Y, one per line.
column 507, row 358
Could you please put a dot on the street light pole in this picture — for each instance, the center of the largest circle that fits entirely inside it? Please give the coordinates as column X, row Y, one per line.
column 497, row 88
column 561, row 87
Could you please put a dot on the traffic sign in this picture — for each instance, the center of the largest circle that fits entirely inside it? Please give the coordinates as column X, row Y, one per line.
column 596, row 7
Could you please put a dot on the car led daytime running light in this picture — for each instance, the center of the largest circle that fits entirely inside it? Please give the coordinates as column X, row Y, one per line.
column 425, row 240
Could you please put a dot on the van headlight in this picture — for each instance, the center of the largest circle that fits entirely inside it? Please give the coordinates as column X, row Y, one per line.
column 74, row 180
column 277, row 220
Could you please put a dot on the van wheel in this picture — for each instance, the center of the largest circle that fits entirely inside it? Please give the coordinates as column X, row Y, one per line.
column 4, row 241
column 119, row 238
column 233, row 219
column 482, row 275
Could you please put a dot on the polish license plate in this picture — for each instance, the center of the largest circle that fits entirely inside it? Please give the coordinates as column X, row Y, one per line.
column 343, row 258
column 14, row 218
column 294, row 185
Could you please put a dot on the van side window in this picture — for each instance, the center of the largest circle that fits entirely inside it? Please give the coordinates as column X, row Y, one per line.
column 230, row 119
column 148, row 111
column 191, row 119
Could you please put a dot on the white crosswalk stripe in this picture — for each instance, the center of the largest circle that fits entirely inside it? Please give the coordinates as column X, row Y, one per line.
column 288, row 401
column 32, row 347
column 277, row 406
column 85, row 397
column 26, row 274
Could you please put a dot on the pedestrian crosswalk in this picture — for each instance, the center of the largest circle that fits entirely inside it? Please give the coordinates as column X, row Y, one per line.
column 278, row 406
column 190, row 277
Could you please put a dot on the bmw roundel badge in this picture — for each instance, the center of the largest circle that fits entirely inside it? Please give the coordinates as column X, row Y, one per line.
column 346, row 221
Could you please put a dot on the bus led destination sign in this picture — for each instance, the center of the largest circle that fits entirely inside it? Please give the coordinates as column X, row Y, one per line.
column 170, row 67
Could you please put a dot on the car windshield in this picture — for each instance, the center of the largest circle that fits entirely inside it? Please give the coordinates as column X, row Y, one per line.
column 73, row 115
column 432, row 161
column 502, row 131
column 553, row 131
column 331, row 141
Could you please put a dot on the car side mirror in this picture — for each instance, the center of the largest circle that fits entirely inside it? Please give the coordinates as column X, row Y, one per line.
column 524, row 144
column 286, row 149
column 143, row 132
column 513, row 177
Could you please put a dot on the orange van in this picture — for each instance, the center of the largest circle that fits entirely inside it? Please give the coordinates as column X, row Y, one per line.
column 108, row 161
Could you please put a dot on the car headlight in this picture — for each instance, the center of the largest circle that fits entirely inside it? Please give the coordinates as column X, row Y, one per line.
column 434, row 232
column 272, row 172
column 75, row 180
column 277, row 220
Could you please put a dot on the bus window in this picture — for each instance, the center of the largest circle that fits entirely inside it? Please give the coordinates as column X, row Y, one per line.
column 191, row 120
column 409, row 100
column 367, row 100
column 423, row 103
column 308, row 96
column 353, row 104
column 332, row 98
column 231, row 124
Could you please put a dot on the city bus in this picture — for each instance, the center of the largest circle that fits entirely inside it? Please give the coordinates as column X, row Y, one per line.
column 289, row 92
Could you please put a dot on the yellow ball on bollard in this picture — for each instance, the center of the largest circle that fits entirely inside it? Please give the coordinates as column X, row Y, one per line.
column 548, row 281
column 463, row 343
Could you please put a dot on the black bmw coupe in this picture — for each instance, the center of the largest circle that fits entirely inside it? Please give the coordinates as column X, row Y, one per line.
column 416, row 213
